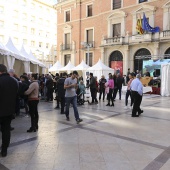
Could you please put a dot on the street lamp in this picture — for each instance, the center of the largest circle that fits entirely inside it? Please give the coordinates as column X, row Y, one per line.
column 88, row 46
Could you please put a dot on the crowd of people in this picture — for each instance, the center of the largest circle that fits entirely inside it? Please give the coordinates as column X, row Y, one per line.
column 26, row 91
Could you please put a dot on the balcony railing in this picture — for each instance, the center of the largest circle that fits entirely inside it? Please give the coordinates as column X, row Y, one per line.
column 90, row 44
column 114, row 41
column 64, row 47
column 166, row 33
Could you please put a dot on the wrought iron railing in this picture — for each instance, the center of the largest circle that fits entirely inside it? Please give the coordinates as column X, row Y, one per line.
column 65, row 47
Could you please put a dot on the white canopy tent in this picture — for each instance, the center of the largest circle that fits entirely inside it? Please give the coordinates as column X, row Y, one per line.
column 165, row 79
column 21, row 64
column 67, row 68
column 56, row 67
column 100, row 69
column 82, row 67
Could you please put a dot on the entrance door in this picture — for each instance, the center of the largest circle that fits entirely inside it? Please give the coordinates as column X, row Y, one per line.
column 116, row 62
column 141, row 55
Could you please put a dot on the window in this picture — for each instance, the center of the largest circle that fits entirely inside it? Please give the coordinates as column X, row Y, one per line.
column 32, row 18
column 67, row 41
column 40, row 32
column 24, row 16
column 40, row 44
column 1, row 38
column 47, row 23
column 32, row 31
column 47, row 45
column 67, row 58
column 15, row 40
column 90, row 59
column 89, row 38
column 89, row 11
column 140, row 1
column 33, row 43
column 15, row 14
column 67, row 16
column 16, row 27
column 47, row 34
column 1, row 9
column 24, row 41
column 116, row 4
column 116, row 30
column 24, row 29
column 40, row 21
column 32, row 5
column 1, row 24
column 24, row 2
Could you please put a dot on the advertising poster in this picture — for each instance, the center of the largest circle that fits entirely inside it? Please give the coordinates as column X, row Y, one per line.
column 117, row 66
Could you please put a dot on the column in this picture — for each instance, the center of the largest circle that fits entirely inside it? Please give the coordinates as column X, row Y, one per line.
column 156, row 51
column 125, row 60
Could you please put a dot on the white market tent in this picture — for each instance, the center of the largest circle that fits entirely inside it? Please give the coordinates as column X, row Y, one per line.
column 67, row 68
column 20, row 63
column 165, row 79
column 82, row 67
column 100, row 69
column 56, row 67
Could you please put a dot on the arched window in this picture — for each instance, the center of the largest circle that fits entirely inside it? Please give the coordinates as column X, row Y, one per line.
column 116, row 61
column 140, row 55
column 167, row 53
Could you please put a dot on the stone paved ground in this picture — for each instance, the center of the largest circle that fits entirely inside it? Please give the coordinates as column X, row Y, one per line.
column 108, row 139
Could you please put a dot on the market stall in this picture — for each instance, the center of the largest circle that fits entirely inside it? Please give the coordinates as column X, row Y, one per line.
column 67, row 68
column 55, row 67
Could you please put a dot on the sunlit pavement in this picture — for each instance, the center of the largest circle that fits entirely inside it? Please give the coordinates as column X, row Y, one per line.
column 107, row 139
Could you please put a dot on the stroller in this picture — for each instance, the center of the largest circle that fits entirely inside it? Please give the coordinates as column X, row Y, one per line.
column 83, row 97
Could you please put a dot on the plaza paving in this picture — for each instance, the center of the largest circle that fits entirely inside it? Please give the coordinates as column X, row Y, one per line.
column 107, row 139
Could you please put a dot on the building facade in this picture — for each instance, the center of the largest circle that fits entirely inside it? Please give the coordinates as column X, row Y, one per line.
column 106, row 30
column 32, row 23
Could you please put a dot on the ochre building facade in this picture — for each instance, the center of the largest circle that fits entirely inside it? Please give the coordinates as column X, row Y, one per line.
column 90, row 30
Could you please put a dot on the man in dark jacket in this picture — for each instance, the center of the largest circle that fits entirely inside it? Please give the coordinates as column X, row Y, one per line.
column 61, row 91
column 119, row 82
column 93, row 88
column 49, row 85
column 8, row 94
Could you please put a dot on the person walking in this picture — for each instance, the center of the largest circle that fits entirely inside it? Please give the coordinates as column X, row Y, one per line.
column 70, row 85
column 128, row 93
column 8, row 94
column 102, row 82
column 33, row 100
column 137, row 92
column 110, row 94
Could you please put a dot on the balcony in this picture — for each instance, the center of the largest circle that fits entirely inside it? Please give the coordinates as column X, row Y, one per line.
column 89, row 44
column 115, row 41
column 165, row 35
column 66, row 47
column 140, row 38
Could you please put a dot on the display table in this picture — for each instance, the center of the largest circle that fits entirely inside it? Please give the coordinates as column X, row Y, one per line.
column 145, row 89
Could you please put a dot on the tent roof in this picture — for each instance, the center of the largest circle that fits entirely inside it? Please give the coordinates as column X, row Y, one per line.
column 14, row 50
column 68, row 67
column 24, row 53
column 33, row 58
column 82, row 66
column 56, row 66
column 100, row 66
column 4, row 50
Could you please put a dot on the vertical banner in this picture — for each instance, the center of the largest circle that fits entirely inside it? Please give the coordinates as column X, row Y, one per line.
column 117, row 66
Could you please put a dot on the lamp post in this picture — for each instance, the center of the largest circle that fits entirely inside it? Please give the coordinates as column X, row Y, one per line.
column 87, row 45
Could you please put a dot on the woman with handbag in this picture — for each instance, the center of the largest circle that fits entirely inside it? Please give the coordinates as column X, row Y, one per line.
column 111, row 88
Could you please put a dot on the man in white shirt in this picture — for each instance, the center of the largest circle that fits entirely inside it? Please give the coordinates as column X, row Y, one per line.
column 137, row 92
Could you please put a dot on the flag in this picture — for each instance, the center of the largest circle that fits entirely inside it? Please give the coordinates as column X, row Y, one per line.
column 147, row 27
column 139, row 26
